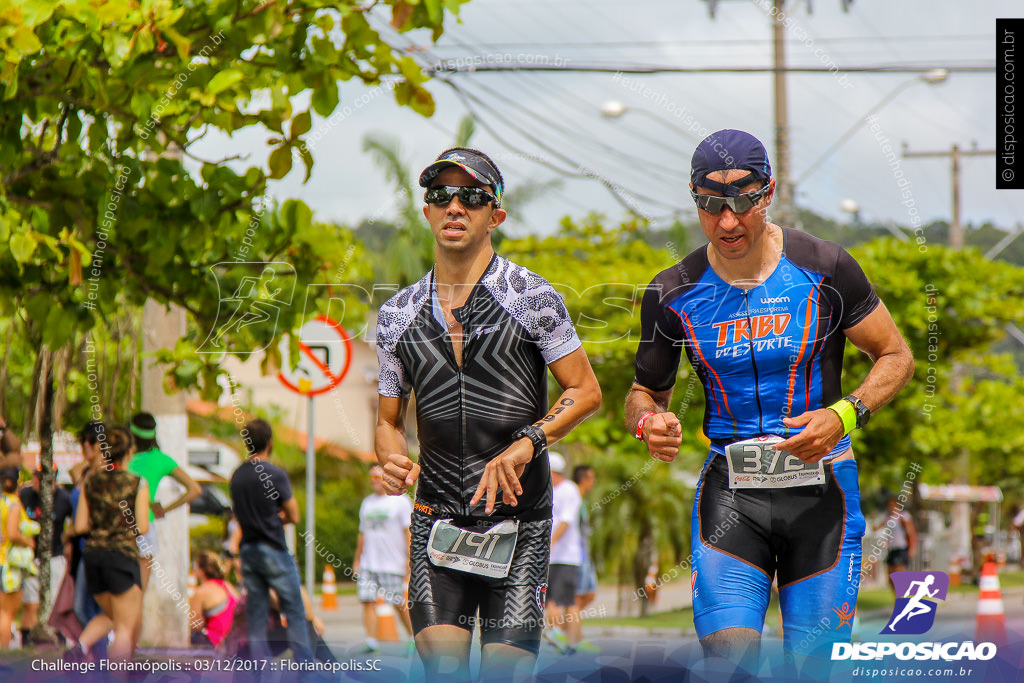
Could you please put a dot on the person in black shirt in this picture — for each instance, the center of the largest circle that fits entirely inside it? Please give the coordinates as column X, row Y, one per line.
column 32, row 501
column 263, row 503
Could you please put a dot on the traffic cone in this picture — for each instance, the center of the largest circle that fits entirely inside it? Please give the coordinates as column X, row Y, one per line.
column 329, row 591
column 387, row 629
column 651, row 582
column 991, row 615
column 954, row 570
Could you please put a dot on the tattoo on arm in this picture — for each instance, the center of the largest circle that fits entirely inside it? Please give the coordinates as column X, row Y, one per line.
column 550, row 417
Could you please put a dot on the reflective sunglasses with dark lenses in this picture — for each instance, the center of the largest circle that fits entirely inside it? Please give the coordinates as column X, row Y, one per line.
column 471, row 197
column 741, row 204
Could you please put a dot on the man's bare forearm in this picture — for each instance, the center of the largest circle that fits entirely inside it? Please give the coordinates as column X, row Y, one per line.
column 641, row 400
column 572, row 407
column 388, row 439
column 890, row 373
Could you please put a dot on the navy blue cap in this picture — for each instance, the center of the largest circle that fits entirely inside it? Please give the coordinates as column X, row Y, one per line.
column 478, row 167
column 729, row 149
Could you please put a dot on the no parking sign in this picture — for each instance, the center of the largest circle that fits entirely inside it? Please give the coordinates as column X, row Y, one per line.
column 325, row 356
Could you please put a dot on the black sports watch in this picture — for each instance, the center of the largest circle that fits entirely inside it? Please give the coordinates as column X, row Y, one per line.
column 534, row 434
column 863, row 413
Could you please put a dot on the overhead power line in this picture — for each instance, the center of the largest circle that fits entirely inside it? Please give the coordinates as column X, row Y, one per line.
column 647, row 44
column 454, row 66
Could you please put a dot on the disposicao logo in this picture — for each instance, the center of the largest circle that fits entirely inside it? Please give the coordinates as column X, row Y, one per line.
column 914, row 613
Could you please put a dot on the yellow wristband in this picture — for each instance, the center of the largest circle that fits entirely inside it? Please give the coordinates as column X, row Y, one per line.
column 847, row 413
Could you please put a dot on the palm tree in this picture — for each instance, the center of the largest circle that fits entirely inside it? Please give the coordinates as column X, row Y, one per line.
column 406, row 247
column 409, row 250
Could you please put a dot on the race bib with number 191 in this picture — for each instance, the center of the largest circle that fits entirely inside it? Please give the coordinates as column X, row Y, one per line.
column 754, row 464
column 484, row 554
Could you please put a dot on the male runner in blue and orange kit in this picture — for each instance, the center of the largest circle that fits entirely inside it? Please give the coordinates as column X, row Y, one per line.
column 764, row 313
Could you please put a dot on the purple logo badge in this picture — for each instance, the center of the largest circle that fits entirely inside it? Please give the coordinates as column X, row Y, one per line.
column 916, row 602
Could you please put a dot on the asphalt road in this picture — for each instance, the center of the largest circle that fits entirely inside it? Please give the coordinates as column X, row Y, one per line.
column 634, row 653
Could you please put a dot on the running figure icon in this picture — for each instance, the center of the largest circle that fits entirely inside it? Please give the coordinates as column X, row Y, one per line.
column 916, row 605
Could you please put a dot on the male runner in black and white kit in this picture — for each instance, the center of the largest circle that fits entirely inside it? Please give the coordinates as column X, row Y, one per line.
column 473, row 339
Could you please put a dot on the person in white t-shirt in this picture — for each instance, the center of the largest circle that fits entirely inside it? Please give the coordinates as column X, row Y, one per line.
column 566, row 557
column 902, row 541
column 382, row 555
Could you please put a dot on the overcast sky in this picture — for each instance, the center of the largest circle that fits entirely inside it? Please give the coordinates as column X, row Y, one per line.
column 646, row 152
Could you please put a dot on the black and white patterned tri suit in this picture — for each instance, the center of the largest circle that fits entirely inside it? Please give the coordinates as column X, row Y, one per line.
column 514, row 324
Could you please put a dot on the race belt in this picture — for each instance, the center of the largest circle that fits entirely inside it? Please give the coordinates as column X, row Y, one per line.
column 754, row 464
column 484, row 554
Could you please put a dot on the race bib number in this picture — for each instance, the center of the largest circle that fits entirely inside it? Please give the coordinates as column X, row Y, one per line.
column 484, row 554
column 754, row 464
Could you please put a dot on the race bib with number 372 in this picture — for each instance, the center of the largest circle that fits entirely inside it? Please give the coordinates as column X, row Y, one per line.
column 754, row 464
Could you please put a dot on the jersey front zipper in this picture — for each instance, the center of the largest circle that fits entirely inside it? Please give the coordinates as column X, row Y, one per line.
column 753, row 364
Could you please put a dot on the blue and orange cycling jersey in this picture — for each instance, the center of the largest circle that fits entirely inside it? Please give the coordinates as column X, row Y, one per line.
column 764, row 353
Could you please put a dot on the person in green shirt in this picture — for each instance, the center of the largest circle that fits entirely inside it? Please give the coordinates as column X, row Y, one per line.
column 152, row 464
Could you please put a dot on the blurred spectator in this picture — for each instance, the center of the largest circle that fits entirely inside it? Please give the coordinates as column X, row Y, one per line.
column 585, row 477
column 262, row 500
column 15, row 536
column 902, row 541
column 382, row 555
column 563, row 614
column 152, row 464
column 32, row 501
column 10, row 447
column 1018, row 525
column 213, row 603
column 113, row 511
column 92, row 438
column 231, row 545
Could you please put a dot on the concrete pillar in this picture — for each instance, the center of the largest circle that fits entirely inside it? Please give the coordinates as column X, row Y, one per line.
column 165, row 606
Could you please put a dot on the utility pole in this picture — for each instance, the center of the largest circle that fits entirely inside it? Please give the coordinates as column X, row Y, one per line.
column 164, row 622
column 956, row 228
column 962, row 524
column 783, row 187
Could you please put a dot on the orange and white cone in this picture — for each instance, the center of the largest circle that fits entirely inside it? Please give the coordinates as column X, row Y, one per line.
column 329, row 591
column 991, row 615
column 387, row 628
column 651, row 582
column 954, row 570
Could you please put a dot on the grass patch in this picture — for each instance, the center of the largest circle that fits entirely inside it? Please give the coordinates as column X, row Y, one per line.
column 869, row 599
column 677, row 618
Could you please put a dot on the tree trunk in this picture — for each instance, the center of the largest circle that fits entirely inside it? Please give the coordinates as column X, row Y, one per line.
column 3, row 367
column 643, row 561
column 31, row 413
column 46, row 495
column 62, row 366
column 115, row 374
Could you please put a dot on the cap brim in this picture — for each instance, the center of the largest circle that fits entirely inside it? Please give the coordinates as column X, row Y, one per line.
column 431, row 172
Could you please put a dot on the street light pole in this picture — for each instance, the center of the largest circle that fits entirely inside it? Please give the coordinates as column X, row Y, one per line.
column 933, row 77
column 783, row 186
column 613, row 109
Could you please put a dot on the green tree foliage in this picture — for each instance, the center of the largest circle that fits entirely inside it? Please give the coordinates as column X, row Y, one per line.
column 952, row 307
column 408, row 251
column 100, row 102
